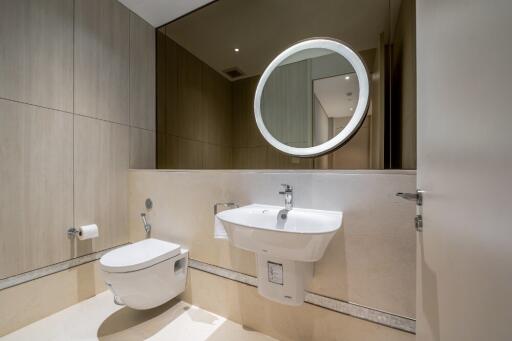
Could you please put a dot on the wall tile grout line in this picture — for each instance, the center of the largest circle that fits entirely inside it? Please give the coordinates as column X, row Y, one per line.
column 74, row 113
column 36, row 105
column 390, row 320
column 199, row 141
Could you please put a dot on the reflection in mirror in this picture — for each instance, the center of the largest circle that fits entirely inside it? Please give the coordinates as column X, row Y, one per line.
column 334, row 98
column 206, row 88
column 309, row 97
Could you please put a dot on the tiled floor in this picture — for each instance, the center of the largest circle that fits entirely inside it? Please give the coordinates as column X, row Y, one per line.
column 98, row 318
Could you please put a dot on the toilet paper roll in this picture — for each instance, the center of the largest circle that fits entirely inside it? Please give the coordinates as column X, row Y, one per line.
column 88, row 232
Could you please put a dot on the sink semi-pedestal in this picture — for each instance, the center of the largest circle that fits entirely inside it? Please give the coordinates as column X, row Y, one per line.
column 286, row 243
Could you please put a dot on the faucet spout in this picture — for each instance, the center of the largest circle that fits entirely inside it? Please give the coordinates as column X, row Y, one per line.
column 288, row 196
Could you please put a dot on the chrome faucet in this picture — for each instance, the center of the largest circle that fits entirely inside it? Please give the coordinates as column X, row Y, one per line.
column 288, row 196
column 147, row 226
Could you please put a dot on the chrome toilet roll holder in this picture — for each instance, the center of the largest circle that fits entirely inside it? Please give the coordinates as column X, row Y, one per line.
column 73, row 232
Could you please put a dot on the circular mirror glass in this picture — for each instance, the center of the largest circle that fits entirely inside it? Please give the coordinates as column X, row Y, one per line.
column 312, row 98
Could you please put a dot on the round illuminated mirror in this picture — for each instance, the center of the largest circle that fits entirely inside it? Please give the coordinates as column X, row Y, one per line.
column 312, row 98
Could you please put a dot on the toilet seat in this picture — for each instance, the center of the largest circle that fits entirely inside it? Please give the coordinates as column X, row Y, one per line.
column 138, row 256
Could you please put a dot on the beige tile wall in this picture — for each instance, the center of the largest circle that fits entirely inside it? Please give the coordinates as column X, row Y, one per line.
column 194, row 111
column 67, row 164
column 26, row 303
column 370, row 261
column 242, row 303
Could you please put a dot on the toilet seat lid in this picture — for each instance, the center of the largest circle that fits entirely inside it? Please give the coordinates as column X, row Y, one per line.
column 138, row 255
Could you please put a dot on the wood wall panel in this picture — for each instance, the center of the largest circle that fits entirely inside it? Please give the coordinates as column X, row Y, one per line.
column 167, row 84
column 142, row 148
column 216, row 107
column 102, row 57
column 194, row 111
column 190, row 117
column 36, row 200
column 142, row 73
column 167, row 151
column 243, row 97
column 356, row 153
column 101, row 182
column 36, row 58
column 71, row 147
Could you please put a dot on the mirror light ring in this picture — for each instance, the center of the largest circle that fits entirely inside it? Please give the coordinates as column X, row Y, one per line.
column 359, row 113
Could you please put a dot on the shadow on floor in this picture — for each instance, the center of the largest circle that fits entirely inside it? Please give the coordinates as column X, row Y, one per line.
column 198, row 315
column 131, row 324
column 230, row 331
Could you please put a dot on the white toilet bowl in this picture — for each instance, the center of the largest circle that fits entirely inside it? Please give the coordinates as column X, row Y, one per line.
column 145, row 274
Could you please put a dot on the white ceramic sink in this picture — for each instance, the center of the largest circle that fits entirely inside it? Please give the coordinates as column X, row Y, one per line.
column 302, row 236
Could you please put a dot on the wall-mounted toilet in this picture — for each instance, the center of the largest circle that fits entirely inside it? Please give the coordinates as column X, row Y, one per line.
column 145, row 274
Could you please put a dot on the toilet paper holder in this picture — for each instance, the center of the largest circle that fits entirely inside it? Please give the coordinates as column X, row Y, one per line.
column 83, row 232
column 73, row 232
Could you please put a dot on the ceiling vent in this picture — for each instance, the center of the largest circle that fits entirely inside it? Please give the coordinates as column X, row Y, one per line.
column 234, row 72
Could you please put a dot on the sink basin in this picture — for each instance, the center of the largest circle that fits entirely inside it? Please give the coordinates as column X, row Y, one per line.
column 302, row 236
column 286, row 243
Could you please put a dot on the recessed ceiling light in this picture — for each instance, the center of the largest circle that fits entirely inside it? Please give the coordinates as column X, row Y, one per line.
column 347, row 77
column 351, row 109
column 237, row 49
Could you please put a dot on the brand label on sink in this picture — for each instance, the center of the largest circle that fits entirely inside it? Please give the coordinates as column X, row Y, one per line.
column 275, row 273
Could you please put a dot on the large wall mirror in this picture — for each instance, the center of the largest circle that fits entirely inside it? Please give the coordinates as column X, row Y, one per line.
column 222, row 104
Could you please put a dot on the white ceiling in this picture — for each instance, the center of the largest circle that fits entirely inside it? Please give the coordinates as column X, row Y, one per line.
column 159, row 12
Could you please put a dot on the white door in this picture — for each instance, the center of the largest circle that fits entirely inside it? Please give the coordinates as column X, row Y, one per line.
column 464, row 261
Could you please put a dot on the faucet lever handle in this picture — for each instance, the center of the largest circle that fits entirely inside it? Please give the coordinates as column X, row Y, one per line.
column 287, row 188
